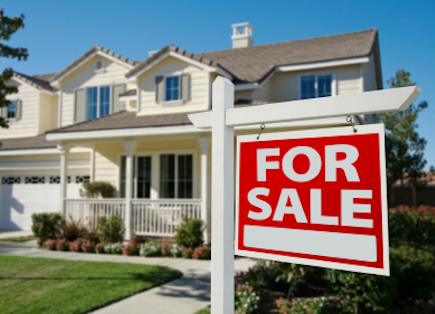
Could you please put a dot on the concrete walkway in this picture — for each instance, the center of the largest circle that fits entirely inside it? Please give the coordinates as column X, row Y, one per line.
column 186, row 295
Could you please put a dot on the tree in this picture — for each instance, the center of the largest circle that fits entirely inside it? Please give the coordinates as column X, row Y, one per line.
column 8, row 26
column 404, row 146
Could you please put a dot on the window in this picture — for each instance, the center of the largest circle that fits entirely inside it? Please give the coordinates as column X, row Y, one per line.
column 141, row 177
column 97, row 102
column 172, row 88
column 11, row 113
column 312, row 86
column 176, row 176
column 99, row 65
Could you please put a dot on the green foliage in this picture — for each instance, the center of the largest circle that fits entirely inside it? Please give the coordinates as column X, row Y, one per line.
column 98, row 189
column 310, row 306
column 412, row 227
column 71, row 229
column 112, row 229
column 190, row 233
column 45, row 226
column 404, row 146
column 8, row 26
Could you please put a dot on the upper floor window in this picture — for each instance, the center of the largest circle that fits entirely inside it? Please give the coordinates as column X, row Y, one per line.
column 97, row 102
column 12, row 111
column 172, row 88
column 312, row 86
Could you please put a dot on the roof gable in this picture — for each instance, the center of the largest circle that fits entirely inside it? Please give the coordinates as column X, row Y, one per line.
column 38, row 82
column 96, row 50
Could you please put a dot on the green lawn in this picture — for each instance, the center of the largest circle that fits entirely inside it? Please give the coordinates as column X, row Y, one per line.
column 19, row 239
column 41, row 285
column 204, row 311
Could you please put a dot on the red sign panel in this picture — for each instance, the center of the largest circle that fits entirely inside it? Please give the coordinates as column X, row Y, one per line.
column 315, row 197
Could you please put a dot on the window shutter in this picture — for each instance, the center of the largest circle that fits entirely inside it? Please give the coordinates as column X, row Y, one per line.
column 160, row 89
column 117, row 105
column 18, row 109
column 185, row 87
column 4, row 112
column 80, row 105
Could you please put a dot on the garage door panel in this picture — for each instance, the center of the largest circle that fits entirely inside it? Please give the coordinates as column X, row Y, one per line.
column 20, row 200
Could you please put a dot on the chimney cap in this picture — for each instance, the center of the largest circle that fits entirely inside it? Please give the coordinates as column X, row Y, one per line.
column 241, row 25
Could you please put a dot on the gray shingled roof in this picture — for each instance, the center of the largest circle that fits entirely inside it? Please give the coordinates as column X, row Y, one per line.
column 37, row 81
column 129, row 119
column 83, row 57
column 252, row 64
column 130, row 92
column 27, row 143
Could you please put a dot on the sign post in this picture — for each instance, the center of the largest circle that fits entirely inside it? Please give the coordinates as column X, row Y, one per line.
column 222, row 120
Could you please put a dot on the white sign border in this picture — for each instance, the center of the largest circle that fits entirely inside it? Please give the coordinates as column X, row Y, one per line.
column 315, row 133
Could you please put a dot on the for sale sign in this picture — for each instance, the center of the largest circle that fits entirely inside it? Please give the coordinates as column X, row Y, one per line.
column 315, row 197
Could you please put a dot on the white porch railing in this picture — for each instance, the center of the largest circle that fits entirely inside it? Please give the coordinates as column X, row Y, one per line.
column 149, row 217
column 88, row 211
column 162, row 217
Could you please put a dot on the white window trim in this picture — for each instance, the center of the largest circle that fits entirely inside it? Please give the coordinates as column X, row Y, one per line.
column 317, row 73
column 98, row 99
column 155, row 180
column 175, row 102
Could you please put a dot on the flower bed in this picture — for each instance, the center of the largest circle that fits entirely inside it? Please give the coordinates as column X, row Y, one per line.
column 132, row 248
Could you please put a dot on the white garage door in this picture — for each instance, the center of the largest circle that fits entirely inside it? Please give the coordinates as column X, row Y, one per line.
column 21, row 196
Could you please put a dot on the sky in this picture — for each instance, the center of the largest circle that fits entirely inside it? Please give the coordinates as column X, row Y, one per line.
column 58, row 32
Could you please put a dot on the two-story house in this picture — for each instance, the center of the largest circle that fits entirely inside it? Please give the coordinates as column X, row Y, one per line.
column 107, row 118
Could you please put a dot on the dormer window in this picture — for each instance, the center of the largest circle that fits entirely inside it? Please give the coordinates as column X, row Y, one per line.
column 11, row 114
column 13, row 111
column 172, row 88
column 316, row 85
column 99, row 65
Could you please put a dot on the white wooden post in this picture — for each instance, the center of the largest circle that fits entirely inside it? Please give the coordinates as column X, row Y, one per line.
column 129, row 149
column 222, row 213
column 203, row 144
column 63, row 151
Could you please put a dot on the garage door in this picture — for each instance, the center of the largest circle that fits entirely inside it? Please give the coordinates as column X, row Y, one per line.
column 21, row 196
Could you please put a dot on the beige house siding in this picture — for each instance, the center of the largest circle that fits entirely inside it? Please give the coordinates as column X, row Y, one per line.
column 244, row 94
column 28, row 124
column 284, row 86
column 168, row 67
column 263, row 93
column 348, row 80
column 48, row 113
column 108, row 158
column 86, row 76
column 370, row 75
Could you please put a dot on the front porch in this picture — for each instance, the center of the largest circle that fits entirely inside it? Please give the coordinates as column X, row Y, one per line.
column 158, row 183
column 148, row 217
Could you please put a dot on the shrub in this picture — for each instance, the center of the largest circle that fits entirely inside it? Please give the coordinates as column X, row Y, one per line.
column 114, row 248
column 99, row 247
column 98, row 189
column 150, row 249
column 175, row 250
column 310, row 306
column 202, row 252
column 62, row 245
column 76, row 245
column 71, row 229
column 186, row 252
column 190, row 233
column 412, row 227
column 246, row 299
column 45, row 225
column 131, row 248
column 88, row 246
column 112, row 229
column 50, row 244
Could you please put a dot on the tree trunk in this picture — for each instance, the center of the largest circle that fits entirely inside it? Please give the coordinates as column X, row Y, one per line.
column 402, row 192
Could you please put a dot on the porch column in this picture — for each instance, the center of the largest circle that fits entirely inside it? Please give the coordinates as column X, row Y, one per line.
column 203, row 144
column 63, row 151
column 129, row 149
